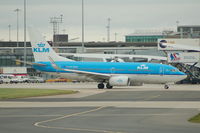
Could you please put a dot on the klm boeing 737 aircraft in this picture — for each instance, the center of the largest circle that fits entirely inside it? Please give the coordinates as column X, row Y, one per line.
column 109, row 73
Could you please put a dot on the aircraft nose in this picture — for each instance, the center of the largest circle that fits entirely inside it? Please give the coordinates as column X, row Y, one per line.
column 183, row 75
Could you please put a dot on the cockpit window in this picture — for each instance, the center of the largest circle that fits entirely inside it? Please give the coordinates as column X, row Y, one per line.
column 173, row 70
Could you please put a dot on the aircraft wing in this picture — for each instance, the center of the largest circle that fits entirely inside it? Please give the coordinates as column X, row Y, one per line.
column 92, row 75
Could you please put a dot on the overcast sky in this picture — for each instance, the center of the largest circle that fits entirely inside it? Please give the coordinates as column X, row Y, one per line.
column 126, row 16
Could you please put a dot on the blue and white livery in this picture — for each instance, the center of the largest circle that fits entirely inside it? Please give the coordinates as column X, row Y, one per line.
column 109, row 73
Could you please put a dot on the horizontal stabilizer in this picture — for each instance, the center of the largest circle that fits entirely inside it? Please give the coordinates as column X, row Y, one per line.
column 31, row 63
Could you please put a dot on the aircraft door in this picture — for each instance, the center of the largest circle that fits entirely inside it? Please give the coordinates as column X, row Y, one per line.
column 112, row 70
column 161, row 71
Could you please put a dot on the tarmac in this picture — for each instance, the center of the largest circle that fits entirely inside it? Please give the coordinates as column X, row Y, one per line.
column 136, row 109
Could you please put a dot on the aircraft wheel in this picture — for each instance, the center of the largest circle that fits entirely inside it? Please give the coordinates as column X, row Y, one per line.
column 101, row 86
column 166, row 86
column 108, row 86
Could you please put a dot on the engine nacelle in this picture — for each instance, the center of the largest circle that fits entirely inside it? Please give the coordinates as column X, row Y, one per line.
column 119, row 81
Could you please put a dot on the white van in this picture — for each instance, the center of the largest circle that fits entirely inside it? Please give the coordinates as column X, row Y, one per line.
column 1, row 81
column 7, row 78
column 23, row 78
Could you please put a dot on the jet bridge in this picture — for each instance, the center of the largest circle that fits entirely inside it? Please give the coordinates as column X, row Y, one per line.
column 184, row 54
column 192, row 71
column 188, row 63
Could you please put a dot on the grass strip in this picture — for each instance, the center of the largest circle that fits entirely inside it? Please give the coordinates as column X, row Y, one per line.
column 195, row 119
column 13, row 93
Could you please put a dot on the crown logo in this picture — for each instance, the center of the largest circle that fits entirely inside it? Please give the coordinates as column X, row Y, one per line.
column 41, row 44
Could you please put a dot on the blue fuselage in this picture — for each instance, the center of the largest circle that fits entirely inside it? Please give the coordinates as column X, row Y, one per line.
column 112, row 68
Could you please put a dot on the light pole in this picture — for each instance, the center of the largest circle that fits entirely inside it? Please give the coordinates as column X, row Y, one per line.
column 17, row 10
column 64, row 30
column 55, row 22
column 108, row 30
column 9, row 32
column 177, row 24
column 115, row 37
column 83, row 26
column 24, row 33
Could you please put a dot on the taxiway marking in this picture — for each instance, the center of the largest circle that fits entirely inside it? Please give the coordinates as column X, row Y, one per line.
column 41, row 123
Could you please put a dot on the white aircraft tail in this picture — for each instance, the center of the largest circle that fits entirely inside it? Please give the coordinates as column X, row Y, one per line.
column 41, row 49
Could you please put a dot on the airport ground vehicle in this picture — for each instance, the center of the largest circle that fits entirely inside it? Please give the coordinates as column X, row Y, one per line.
column 1, row 81
column 16, row 80
column 19, row 79
column 6, row 78
column 58, row 80
column 34, row 79
column 9, row 78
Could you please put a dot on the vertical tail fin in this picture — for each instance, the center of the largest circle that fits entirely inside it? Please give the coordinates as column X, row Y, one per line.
column 41, row 49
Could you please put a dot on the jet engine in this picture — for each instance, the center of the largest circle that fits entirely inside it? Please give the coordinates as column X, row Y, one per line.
column 119, row 81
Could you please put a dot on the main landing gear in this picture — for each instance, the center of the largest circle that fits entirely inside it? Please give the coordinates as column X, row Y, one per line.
column 108, row 86
column 166, row 86
column 101, row 86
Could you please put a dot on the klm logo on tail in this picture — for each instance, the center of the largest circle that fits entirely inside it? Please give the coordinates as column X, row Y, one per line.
column 41, row 48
